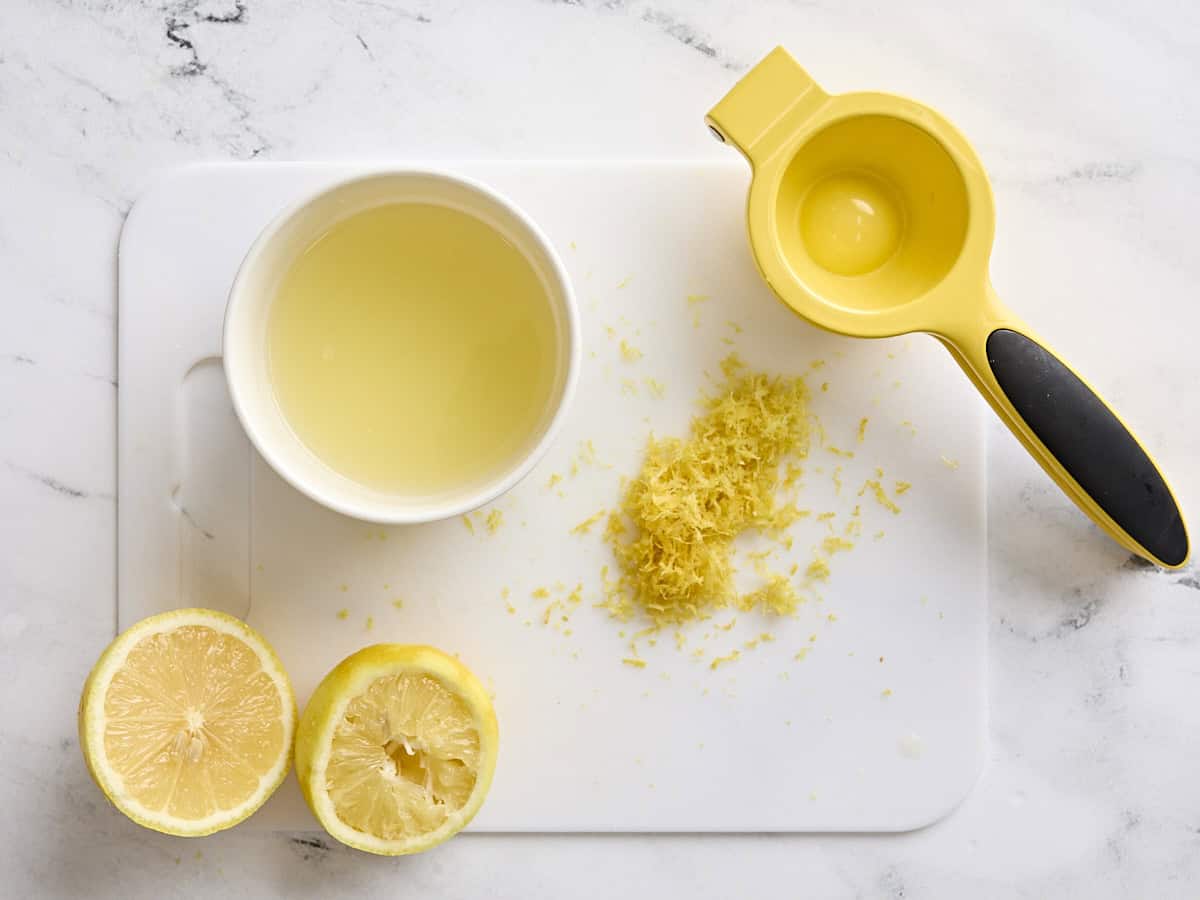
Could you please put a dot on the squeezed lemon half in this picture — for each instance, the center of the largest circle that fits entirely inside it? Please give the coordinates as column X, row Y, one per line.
column 186, row 722
column 396, row 749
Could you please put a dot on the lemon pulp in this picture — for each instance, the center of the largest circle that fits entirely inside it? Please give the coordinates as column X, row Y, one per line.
column 193, row 722
column 404, row 757
column 186, row 722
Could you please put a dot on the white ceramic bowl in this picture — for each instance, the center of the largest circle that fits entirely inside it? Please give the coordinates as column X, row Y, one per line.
column 245, row 339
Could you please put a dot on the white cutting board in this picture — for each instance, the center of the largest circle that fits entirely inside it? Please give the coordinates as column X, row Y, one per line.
column 766, row 743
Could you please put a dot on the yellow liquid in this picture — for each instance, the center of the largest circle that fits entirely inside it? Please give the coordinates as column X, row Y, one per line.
column 413, row 349
column 850, row 223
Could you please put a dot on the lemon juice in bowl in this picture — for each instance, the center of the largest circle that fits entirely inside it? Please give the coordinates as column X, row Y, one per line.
column 411, row 348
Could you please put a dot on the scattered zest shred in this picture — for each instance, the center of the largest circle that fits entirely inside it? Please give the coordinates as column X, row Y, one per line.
column 818, row 570
column 721, row 660
column 832, row 545
column 586, row 525
column 881, row 497
column 776, row 596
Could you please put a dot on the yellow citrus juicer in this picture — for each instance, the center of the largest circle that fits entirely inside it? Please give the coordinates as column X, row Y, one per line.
column 871, row 216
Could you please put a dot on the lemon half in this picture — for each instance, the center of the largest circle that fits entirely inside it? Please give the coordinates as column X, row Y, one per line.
column 186, row 722
column 396, row 749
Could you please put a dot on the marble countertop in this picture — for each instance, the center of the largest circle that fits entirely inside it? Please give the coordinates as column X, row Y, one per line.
column 1087, row 115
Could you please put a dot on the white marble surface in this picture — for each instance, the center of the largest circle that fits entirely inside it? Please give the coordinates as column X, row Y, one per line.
column 1087, row 114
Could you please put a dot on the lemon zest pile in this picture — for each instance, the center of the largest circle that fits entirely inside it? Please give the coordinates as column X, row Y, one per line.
column 694, row 496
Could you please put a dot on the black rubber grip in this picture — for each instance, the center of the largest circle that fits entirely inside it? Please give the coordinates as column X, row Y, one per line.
column 1090, row 443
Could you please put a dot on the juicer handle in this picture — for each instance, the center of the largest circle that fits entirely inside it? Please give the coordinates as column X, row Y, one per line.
column 1076, row 437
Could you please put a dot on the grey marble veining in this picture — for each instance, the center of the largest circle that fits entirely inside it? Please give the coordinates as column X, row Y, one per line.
column 1087, row 115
